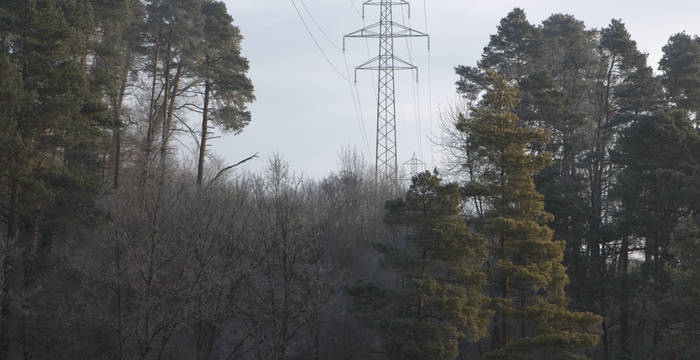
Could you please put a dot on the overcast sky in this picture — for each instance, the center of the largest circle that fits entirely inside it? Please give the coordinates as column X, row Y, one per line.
column 305, row 109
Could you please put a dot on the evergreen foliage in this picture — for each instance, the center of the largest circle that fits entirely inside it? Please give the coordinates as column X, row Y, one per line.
column 658, row 152
column 52, row 133
column 681, row 71
column 439, row 301
column 52, row 124
column 575, row 193
column 682, row 305
column 586, row 88
column 527, row 263
column 226, row 89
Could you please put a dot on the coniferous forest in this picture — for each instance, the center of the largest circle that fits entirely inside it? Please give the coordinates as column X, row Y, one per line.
column 564, row 222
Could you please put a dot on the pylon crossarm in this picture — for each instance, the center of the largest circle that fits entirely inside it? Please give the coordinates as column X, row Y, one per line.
column 405, row 65
column 407, row 31
column 365, row 66
column 374, row 64
column 365, row 32
column 380, row 68
column 370, row 32
column 393, row 3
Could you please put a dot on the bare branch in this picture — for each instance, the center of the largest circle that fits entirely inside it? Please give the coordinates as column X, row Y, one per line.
column 233, row 166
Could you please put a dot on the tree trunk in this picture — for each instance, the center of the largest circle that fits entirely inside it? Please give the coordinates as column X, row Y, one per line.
column 504, row 249
column 599, row 266
column 9, row 319
column 205, row 129
column 624, row 295
column 117, row 155
column 169, row 109
column 171, row 89
column 420, row 290
column 606, row 345
column 118, row 105
column 121, row 337
column 13, row 224
column 165, row 128
column 505, row 294
column 152, row 111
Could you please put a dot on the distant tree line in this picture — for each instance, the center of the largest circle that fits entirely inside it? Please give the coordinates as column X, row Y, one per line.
column 563, row 224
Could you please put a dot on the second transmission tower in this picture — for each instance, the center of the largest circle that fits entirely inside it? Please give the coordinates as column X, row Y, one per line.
column 386, row 63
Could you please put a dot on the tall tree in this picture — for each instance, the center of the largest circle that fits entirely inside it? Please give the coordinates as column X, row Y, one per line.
column 115, row 59
column 173, row 35
column 527, row 265
column 639, row 103
column 680, row 65
column 658, row 160
column 51, row 130
column 511, row 51
column 222, row 70
column 617, row 59
column 439, row 300
column 615, row 46
column 682, row 305
column 568, row 55
column 11, row 99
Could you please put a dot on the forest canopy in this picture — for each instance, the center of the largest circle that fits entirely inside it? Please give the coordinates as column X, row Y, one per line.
column 563, row 224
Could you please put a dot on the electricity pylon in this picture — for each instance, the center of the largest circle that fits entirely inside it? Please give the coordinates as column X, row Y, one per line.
column 386, row 30
column 415, row 167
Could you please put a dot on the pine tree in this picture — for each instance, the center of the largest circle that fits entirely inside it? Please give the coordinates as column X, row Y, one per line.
column 52, row 131
column 53, row 124
column 511, row 51
column 681, row 306
column 681, row 71
column 439, row 301
column 639, row 102
column 560, row 183
column 567, row 57
column 115, row 58
column 616, row 55
column 12, row 158
column 556, row 62
column 527, row 263
column 657, row 157
column 222, row 71
column 173, row 34
column 614, row 49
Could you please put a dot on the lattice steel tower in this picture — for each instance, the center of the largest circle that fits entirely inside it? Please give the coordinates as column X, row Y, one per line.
column 386, row 63
column 415, row 167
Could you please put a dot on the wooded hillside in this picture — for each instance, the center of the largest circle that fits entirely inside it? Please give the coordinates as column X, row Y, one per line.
column 563, row 224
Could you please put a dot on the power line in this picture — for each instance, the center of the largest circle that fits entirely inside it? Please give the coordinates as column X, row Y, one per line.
column 375, row 91
column 369, row 54
column 353, row 86
column 357, row 11
column 318, row 46
column 313, row 19
column 357, row 108
column 386, row 63
column 364, row 25
column 357, row 105
column 425, row 13
column 416, row 90
column 430, row 80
